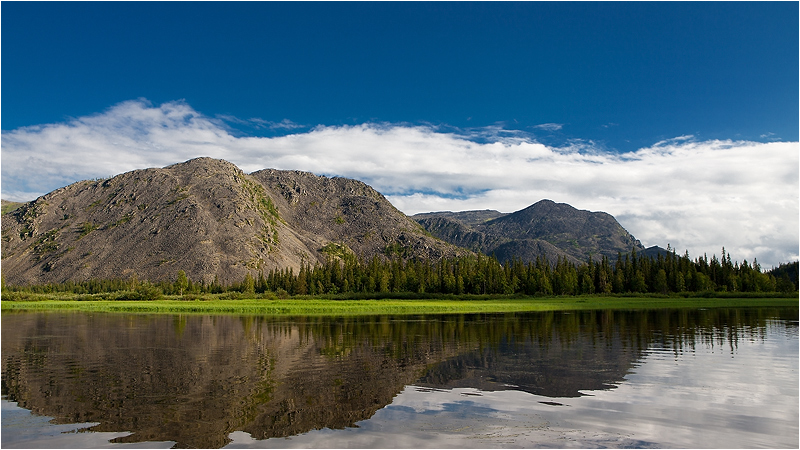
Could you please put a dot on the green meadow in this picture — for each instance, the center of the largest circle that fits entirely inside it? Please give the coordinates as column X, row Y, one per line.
column 350, row 307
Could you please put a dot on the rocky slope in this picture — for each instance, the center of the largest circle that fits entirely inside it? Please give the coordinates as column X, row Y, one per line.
column 205, row 217
column 349, row 213
column 546, row 228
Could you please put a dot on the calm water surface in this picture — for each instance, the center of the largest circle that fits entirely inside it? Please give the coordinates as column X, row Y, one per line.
column 717, row 378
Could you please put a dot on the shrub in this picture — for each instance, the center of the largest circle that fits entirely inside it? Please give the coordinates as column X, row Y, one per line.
column 13, row 296
column 145, row 291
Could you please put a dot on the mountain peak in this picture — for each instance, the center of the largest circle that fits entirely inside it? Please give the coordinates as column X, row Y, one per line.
column 545, row 228
column 205, row 217
column 204, row 162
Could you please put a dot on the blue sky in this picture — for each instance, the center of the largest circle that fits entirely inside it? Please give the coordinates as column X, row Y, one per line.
column 622, row 74
column 590, row 86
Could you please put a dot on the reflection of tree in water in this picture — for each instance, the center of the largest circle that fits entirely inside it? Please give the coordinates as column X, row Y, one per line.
column 560, row 354
column 195, row 379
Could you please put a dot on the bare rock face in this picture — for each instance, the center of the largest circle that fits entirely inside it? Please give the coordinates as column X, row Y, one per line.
column 546, row 229
column 205, row 217
column 349, row 213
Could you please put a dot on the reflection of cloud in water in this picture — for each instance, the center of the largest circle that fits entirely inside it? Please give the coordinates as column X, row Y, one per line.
column 21, row 429
column 553, row 366
column 420, row 418
column 277, row 377
column 448, row 381
column 705, row 395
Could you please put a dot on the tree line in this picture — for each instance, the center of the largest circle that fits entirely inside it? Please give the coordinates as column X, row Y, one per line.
column 476, row 274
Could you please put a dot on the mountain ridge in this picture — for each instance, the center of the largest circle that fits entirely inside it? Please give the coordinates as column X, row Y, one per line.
column 213, row 221
column 206, row 217
column 545, row 228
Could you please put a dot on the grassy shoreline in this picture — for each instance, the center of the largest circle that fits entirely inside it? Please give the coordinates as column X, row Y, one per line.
column 351, row 307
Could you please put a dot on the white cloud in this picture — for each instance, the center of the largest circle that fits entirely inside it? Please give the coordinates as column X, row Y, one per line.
column 695, row 195
column 260, row 124
column 549, row 126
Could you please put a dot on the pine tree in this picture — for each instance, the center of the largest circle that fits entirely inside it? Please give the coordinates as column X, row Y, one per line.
column 660, row 284
column 248, row 286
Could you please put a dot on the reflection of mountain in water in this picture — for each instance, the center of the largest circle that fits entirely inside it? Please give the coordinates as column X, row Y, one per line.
column 195, row 379
column 578, row 351
column 552, row 369
column 591, row 350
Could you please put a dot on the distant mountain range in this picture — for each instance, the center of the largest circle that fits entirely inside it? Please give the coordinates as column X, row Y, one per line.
column 211, row 220
column 548, row 229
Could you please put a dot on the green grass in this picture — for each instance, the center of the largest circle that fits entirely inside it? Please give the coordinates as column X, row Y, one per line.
column 317, row 307
column 10, row 206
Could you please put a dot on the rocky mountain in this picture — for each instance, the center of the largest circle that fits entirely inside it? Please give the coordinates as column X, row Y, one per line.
column 545, row 228
column 207, row 218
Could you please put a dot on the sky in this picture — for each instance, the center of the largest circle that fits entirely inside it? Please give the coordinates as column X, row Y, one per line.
column 680, row 119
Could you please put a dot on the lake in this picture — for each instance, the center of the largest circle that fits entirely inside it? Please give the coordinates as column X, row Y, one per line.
column 705, row 378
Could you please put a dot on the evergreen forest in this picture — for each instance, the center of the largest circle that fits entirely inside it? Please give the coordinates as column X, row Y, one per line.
column 468, row 275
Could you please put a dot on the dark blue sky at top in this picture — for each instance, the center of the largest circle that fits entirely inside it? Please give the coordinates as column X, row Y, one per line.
column 622, row 75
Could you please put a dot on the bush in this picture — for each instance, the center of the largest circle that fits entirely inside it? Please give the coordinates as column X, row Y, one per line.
column 13, row 296
column 144, row 291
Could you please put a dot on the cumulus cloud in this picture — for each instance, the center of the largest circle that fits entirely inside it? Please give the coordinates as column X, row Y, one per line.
column 695, row 195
